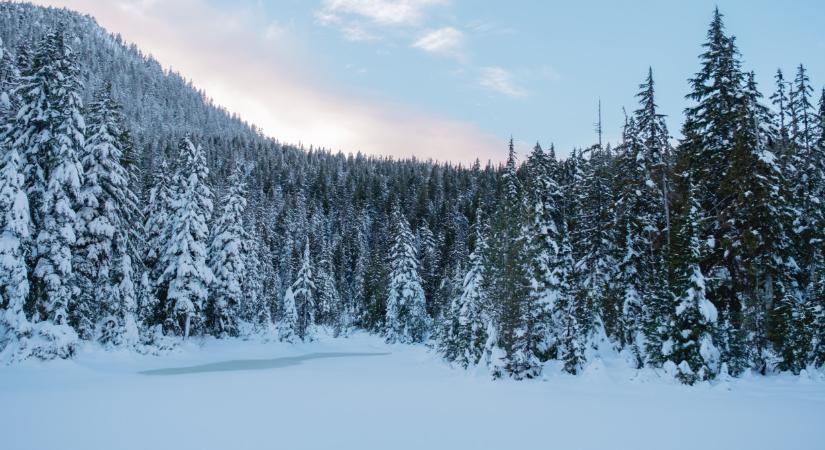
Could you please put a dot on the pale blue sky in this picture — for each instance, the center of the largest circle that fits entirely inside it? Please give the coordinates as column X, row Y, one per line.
column 453, row 79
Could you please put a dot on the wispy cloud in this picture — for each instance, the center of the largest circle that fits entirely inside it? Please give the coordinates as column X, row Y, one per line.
column 502, row 81
column 254, row 67
column 383, row 12
column 447, row 40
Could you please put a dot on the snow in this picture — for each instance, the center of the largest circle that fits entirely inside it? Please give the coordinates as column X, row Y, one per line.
column 362, row 393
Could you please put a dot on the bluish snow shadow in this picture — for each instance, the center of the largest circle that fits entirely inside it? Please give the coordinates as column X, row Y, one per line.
column 253, row 364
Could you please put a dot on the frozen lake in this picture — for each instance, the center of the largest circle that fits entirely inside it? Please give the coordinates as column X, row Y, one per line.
column 360, row 393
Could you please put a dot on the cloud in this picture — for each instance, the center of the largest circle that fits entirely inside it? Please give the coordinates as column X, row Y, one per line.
column 382, row 12
column 447, row 40
column 501, row 81
column 259, row 70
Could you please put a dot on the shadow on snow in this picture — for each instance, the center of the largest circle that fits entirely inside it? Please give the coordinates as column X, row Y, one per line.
column 254, row 364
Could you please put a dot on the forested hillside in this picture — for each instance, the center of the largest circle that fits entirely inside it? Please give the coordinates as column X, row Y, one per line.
column 135, row 213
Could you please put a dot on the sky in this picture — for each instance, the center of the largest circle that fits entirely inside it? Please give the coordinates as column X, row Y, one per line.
column 453, row 79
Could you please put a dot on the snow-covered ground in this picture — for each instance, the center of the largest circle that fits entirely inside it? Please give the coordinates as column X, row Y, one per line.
column 359, row 393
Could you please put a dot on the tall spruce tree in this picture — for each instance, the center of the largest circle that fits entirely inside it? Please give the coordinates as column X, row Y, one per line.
column 15, row 239
column 544, row 217
column 466, row 334
column 406, row 317
column 299, row 302
column 156, row 229
column 507, row 282
column 711, row 132
column 691, row 347
column 229, row 254
column 184, row 282
column 48, row 132
column 107, row 246
column 756, row 220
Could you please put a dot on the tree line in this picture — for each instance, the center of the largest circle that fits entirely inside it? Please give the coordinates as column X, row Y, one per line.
column 702, row 257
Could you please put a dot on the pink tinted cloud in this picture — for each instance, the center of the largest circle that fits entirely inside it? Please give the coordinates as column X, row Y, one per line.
column 256, row 68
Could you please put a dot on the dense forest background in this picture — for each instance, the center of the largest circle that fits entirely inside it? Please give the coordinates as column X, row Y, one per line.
column 135, row 212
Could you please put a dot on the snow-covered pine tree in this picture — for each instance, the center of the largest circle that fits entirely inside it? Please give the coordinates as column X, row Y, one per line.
column 156, row 228
column 779, row 99
column 107, row 242
column 228, row 257
column 429, row 253
column 15, row 239
column 691, row 347
column 594, row 244
column 288, row 325
column 507, row 282
column 638, row 230
column 48, row 132
column 9, row 77
column 329, row 305
column 809, row 224
column 184, row 282
column 256, row 308
column 544, row 222
column 302, row 293
column 757, row 222
column 817, row 301
column 406, row 319
column 710, row 135
column 569, row 310
column 466, row 334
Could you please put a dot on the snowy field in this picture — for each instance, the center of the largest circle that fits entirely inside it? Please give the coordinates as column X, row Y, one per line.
column 359, row 393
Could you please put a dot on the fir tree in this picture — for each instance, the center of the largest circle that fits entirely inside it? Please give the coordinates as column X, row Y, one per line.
column 107, row 243
column 544, row 225
column 9, row 77
column 302, row 293
column 229, row 253
column 756, row 222
column 507, row 282
column 329, row 308
column 692, row 348
column 185, row 279
column 406, row 317
column 467, row 325
column 569, row 311
column 157, row 233
column 48, row 131
column 15, row 239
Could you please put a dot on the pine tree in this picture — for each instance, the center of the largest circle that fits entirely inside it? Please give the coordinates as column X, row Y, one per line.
column 569, row 311
column 593, row 244
column 691, row 347
column 15, row 239
column 287, row 327
column 406, row 318
column 544, row 223
column 185, row 279
column 330, row 308
column 429, row 253
column 809, row 180
column 817, row 300
column 9, row 77
column 229, row 253
column 48, row 131
column 507, row 282
column 106, row 248
column 302, row 293
column 643, row 228
column 781, row 103
column 756, row 221
column 469, row 311
column 157, row 233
